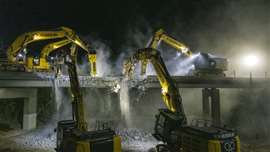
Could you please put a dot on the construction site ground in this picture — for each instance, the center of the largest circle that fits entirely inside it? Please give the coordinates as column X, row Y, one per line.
column 134, row 140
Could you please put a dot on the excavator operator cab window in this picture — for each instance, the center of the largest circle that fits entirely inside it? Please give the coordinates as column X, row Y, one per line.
column 166, row 126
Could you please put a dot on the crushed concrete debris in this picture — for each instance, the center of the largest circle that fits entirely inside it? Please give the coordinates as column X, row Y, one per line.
column 136, row 140
column 133, row 140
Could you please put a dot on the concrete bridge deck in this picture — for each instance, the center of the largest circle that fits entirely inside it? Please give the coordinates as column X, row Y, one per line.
column 31, row 80
column 25, row 85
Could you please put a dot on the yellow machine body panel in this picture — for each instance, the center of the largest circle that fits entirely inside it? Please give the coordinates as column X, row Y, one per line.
column 117, row 144
column 43, row 65
column 194, row 143
column 238, row 149
column 83, row 146
column 209, row 139
column 214, row 146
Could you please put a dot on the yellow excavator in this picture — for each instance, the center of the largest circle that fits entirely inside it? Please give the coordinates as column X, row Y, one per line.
column 171, row 125
column 18, row 53
column 161, row 36
column 72, row 135
column 205, row 64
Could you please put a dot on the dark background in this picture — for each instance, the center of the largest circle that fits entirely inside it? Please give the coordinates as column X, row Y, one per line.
column 110, row 20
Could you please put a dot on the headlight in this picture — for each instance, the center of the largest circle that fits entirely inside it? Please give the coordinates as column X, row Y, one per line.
column 212, row 64
column 36, row 61
column 20, row 57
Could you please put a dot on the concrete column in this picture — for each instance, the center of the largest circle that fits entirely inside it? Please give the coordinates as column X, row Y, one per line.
column 215, row 106
column 206, row 103
column 30, row 111
column 29, row 97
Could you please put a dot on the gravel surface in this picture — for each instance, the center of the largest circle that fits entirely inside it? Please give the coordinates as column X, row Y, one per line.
column 133, row 140
column 43, row 140
column 137, row 140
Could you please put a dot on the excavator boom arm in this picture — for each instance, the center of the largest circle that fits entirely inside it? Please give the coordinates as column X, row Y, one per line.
column 23, row 40
column 70, row 37
column 161, row 36
column 77, row 103
column 170, row 94
column 66, row 34
column 56, row 45
column 53, row 46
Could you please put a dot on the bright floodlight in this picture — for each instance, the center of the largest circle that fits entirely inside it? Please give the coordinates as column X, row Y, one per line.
column 251, row 60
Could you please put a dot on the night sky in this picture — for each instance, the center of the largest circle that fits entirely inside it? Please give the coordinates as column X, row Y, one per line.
column 197, row 22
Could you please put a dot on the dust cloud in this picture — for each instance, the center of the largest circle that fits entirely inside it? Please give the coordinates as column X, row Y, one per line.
column 125, row 102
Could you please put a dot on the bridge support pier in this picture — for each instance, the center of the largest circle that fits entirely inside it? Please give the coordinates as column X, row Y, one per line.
column 212, row 94
column 29, row 97
column 205, row 103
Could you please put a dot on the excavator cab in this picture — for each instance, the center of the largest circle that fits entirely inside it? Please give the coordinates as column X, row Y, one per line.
column 64, row 128
column 208, row 65
column 167, row 128
column 171, row 129
column 70, row 139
